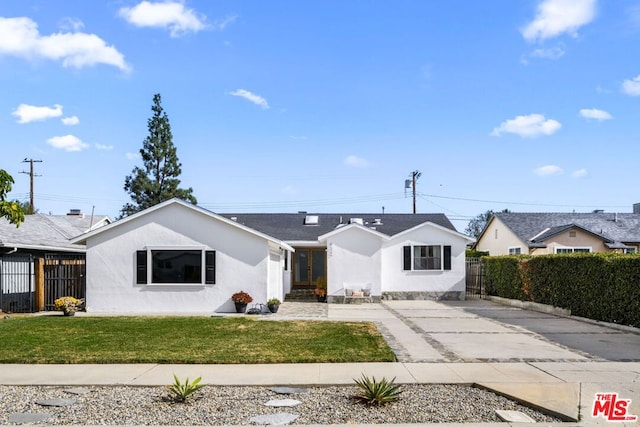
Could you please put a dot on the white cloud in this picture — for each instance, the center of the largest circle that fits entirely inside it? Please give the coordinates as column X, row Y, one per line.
column 548, row 170
column 167, row 14
column 548, row 53
column 530, row 126
column 223, row 23
column 132, row 156
column 580, row 173
column 71, row 24
column 556, row 17
column 70, row 121
column 67, row 143
column 595, row 114
column 256, row 99
column 30, row 113
column 632, row 86
column 20, row 37
column 355, row 161
column 104, row 147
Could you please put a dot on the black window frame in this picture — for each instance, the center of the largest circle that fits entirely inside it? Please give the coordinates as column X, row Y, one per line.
column 409, row 257
column 208, row 268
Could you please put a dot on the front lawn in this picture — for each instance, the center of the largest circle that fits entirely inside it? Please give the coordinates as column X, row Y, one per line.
column 58, row 339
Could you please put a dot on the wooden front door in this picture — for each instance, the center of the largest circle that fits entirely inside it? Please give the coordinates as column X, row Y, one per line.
column 308, row 265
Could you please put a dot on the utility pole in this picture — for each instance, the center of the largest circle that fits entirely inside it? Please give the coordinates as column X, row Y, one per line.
column 31, row 176
column 414, row 176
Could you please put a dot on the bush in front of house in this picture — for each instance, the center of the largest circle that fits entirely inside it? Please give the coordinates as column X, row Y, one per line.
column 603, row 287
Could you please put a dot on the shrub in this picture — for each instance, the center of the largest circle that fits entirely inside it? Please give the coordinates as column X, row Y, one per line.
column 274, row 301
column 373, row 392
column 180, row 391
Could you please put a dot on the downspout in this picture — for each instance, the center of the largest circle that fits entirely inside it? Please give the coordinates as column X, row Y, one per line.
column 14, row 250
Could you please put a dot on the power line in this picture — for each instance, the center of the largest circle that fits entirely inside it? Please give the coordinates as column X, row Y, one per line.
column 522, row 203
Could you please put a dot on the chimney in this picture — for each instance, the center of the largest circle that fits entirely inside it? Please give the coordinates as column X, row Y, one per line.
column 75, row 212
column 636, row 208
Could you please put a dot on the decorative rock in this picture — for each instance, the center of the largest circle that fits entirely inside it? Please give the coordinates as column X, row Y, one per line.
column 283, row 403
column 79, row 391
column 514, row 416
column 289, row 390
column 56, row 402
column 27, row 418
column 278, row 419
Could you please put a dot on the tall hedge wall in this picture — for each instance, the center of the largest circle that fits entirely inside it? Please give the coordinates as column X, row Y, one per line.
column 598, row 286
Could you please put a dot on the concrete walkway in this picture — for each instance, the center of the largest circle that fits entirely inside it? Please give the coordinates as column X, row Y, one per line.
column 509, row 350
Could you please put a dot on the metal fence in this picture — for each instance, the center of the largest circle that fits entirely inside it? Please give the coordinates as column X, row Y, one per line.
column 475, row 278
column 17, row 283
column 64, row 275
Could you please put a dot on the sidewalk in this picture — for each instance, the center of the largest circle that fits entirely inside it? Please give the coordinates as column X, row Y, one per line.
column 435, row 343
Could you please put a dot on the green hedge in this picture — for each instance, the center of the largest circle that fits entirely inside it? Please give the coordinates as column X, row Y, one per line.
column 598, row 286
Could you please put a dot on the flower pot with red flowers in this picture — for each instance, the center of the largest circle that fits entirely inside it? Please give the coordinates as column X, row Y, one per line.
column 321, row 289
column 241, row 299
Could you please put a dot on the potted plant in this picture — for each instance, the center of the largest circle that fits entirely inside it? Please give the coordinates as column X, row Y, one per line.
column 321, row 289
column 68, row 305
column 241, row 299
column 273, row 304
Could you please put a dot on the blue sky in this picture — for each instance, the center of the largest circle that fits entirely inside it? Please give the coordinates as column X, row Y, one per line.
column 281, row 106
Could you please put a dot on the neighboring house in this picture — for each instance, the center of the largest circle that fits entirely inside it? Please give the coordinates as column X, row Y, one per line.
column 40, row 234
column 553, row 233
column 177, row 257
column 41, row 244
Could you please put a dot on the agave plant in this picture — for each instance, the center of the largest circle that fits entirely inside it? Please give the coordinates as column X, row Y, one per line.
column 373, row 392
column 180, row 391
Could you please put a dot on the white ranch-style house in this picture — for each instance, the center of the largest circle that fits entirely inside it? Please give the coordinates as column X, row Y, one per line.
column 176, row 257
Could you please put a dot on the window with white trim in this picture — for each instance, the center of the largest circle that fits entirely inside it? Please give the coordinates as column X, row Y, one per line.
column 175, row 266
column 426, row 257
column 571, row 250
column 515, row 250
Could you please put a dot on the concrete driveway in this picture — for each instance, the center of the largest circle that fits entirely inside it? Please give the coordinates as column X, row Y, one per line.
column 485, row 331
column 592, row 339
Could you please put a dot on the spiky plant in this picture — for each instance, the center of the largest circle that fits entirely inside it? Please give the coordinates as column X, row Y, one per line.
column 373, row 392
column 180, row 391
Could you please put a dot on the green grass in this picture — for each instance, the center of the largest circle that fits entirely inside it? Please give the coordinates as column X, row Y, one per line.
column 58, row 339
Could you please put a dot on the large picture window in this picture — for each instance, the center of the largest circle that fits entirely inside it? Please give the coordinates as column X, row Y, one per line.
column 175, row 266
column 426, row 257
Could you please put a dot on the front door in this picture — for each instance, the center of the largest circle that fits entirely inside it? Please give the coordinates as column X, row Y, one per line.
column 308, row 265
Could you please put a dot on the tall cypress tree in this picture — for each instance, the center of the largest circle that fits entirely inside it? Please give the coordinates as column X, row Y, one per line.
column 158, row 181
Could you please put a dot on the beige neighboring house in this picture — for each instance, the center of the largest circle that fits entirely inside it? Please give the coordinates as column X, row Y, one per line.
column 517, row 233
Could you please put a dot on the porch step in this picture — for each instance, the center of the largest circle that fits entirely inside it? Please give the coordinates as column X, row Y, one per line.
column 301, row 295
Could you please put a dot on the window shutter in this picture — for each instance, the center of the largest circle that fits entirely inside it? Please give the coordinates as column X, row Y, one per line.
column 406, row 252
column 447, row 257
column 210, row 267
column 141, row 267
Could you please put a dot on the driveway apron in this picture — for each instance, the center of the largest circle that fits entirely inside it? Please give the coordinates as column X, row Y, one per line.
column 484, row 331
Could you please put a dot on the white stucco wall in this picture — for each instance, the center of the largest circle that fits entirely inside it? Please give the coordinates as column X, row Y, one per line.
column 354, row 260
column 395, row 279
column 242, row 263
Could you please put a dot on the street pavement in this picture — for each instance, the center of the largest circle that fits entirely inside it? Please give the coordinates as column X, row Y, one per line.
column 554, row 362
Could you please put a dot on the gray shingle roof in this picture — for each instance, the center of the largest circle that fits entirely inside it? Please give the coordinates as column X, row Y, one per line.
column 291, row 227
column 611, row 227
column 47, row 232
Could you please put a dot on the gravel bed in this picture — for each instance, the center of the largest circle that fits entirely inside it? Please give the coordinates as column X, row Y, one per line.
column 218, row 405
